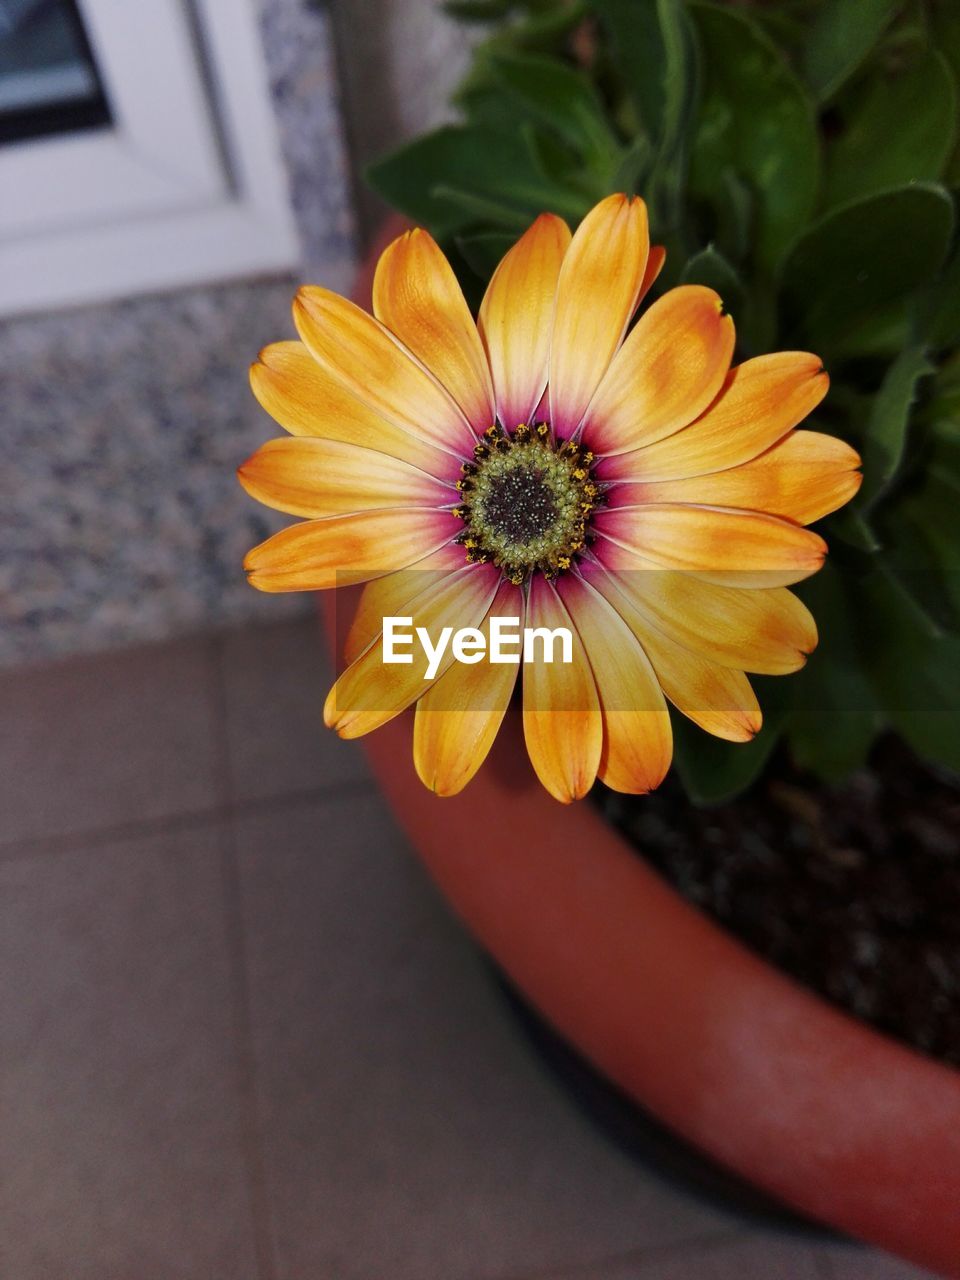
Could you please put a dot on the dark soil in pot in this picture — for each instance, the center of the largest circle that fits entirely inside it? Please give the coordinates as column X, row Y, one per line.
column 853, row 890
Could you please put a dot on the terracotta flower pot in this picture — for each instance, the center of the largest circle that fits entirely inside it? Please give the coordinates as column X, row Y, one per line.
column 811, row 1105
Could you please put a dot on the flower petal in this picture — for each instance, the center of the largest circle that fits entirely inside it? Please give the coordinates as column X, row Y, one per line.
column 658, row 256
column 416, row 295
column 597, row 292
column 671, row 366
column 317, row 554
column 803, row 478
column 718, row 699
column 761, row 400
column 390, row 595
column 370, row 692
column 769, row 631
column 561, row 710
column 371, row 363
column 459, row 716
column 515, row 317
column 310, row 477
column 306, row 400
column 637, row 739
column 719, row 544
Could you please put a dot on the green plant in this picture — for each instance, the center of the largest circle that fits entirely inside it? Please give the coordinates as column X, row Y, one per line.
column 801, row 157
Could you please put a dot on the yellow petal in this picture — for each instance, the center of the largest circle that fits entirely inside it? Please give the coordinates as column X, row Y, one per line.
column 306, row 400
column 803, row 478
column 761, row 400
column 416, row 295
column 317, row 554
column 459, row 716
column 671, row 366
column 311, row 477
column 658, row 256
column 370, row 692
column 718, row 699
column 597, row 292
column 719, row 544
column 561, row 710
column 769, row 631
column 637, row 739
column 516, row 314
column 371, row 363
column 391, row 594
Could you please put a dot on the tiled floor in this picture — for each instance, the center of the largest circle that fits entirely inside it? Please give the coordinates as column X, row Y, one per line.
column 240, row 1036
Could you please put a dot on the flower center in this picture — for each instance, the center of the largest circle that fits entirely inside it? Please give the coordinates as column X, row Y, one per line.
column 526, row 502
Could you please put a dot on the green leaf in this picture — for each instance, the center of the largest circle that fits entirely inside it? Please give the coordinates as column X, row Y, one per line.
column 681, row 93
column 840, row 39
column 938, row 521
column 654, row 51
column 862, row 256
column 914, row 672
column 757, row 120
column 483, row 251
column 709, row 267
column 546, row 29
column 886, row 434
column 944, row 402
column 482, row 103
column 474, row 208
column 944, row 18
column 561, row 99
column 735, row 211
column 936, row 315
column 713, row 771
column 851, row 526
column 835, row 715
column 434, row 178
column 635, row 166
column 558, row 165
column 879, row 334
column 788, row 23
column 874, row 150
column 636, row 36
column 924, row 537
column 922, row 529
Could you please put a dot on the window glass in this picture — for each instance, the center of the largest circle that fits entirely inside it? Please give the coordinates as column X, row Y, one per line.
column 49, row 81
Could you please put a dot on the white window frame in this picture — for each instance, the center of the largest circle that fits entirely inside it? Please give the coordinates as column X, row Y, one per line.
column 186, row 187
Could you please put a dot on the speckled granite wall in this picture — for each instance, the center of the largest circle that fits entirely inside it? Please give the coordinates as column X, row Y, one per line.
column 120, row 518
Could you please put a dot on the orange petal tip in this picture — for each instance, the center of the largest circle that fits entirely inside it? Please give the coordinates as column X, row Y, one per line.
column 309, row 298
column 330, row 716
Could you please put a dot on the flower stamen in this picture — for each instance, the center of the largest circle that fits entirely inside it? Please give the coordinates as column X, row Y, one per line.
column 526, row 501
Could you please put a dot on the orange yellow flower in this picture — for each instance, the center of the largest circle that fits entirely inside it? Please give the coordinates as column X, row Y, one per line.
column 550, row 463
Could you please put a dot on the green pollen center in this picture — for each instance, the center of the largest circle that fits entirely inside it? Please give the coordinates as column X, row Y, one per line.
column 526, row 502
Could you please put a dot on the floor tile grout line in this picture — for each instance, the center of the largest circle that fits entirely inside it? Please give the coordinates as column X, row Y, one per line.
column 97, row 837
column 251, row 1128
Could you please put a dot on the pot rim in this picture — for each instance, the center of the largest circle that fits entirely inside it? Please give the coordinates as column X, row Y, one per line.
column 825, row 1113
